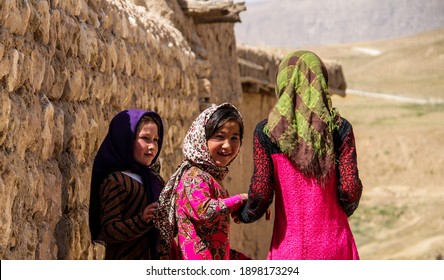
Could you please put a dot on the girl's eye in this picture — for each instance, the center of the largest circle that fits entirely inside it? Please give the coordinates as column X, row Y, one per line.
column 148, row 139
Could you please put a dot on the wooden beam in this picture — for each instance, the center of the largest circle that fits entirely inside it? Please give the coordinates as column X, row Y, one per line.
column 212, row 11
column 253, row 80
column 249, row 64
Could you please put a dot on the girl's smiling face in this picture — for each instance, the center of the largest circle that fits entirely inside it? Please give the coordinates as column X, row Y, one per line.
column 146, row 145
column 225, row 143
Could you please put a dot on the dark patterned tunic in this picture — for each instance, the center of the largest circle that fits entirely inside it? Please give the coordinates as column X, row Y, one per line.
column 126, row 235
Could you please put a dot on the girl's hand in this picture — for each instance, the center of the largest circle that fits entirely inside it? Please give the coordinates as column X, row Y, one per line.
column 148, row 212
column 235, row 217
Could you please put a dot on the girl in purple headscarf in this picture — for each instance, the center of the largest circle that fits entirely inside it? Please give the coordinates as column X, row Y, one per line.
column 125, row 186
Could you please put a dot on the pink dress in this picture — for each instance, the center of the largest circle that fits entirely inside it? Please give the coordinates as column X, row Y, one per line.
column 203, row 217
column 310, row 223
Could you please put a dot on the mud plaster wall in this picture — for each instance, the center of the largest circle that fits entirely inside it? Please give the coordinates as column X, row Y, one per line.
column 66, row 68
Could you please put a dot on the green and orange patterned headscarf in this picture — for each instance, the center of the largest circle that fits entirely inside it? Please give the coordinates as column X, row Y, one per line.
column 303, row 120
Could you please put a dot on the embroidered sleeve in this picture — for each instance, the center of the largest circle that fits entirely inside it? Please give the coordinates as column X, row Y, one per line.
column 350, row 186
column 202, row 201
column 261, row 191
column 114, row 194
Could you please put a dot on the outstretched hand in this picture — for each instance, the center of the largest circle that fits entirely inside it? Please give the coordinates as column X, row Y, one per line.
column 148, row 212
column 244, row 196
column 235, row 215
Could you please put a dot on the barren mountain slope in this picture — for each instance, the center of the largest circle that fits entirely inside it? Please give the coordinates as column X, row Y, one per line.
column 301, row 23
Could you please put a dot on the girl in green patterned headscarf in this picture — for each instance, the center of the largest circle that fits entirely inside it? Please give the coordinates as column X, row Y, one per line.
column 305, row 158
column 303, row 120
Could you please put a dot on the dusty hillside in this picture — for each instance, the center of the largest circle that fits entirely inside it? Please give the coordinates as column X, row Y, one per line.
column 399, row 144
column 410, row 66
column 400, row 157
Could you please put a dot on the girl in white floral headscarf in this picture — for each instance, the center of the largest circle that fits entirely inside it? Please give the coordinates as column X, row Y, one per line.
column 194, row 205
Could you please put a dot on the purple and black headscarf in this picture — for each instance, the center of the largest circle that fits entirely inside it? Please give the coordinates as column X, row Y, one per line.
column 116, row 154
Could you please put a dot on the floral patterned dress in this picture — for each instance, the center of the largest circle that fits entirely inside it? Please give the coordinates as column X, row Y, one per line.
column 203, row 217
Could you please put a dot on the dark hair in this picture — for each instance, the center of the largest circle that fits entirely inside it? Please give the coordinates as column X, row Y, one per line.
column 147, row 118
column 220, row 117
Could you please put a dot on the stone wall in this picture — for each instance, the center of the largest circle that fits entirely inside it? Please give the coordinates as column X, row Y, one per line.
column 66, row 68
